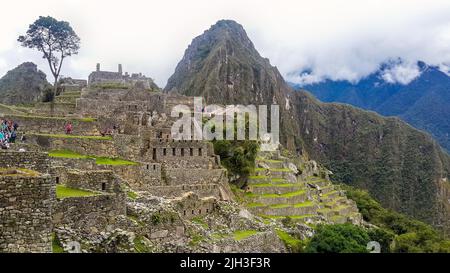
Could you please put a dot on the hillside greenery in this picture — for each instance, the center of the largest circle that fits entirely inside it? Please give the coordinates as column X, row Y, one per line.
column 397, row 232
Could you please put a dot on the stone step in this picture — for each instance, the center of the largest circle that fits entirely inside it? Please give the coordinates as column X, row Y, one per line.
column 327, row 189
column 275, row 173
column 286, row 209
column 318, row 182
column 288, row 198
column 275, row 189
column 272, row 164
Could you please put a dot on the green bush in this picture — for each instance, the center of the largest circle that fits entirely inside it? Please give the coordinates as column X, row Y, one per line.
column 238, row 157
column 339, row 238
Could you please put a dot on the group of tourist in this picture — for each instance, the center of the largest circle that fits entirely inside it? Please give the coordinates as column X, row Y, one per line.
column 8, row 133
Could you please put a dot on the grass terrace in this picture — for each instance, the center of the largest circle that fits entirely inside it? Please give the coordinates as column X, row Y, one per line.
column 73, row 119
column 304, row 204
column 98, row 160
column 294, row 217
column 291, row 242
column 74, row 136
column 275, row 185
column 274, row 195
column 243, row 234
column 269, row 160
column 63, row 191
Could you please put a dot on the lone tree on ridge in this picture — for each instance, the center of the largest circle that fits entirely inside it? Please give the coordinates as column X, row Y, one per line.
column 56, row 40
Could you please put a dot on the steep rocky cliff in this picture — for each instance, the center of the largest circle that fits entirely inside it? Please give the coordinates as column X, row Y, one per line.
column 402, row 167
column 23, row 84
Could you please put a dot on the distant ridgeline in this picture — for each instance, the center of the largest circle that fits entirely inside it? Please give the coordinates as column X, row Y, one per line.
column 405, row 169
column 423, row 102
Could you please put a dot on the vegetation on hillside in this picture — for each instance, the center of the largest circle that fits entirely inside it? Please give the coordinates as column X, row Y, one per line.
column 397, row 232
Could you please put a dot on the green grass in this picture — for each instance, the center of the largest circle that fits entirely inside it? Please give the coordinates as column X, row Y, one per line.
column 56, row 244
column 66, row 154
column 280, row 170
column 113, row 161
column 255, row 205
column 304, row 204
column 139, row 245
column 275, row 195
column 294, row 244
column 261, row 185
column 132, row 195
column 64, row 192
column 98, row 160
column 200, row 221
column 243, row 234
column 295, row 217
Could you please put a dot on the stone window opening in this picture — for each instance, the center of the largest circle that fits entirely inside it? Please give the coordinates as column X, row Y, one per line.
column 191, row 151
column 164, row 151
column 57, row 180
column 154, row 167
column 103, row 186
column 207, row 210
column 184, row 213
column 174, row 152
column 154, row 154
column 199, row 151
column 182, row 151
column 147, row 166
column 193, row 212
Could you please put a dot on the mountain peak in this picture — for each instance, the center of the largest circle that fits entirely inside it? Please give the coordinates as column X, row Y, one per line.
column 222, row 65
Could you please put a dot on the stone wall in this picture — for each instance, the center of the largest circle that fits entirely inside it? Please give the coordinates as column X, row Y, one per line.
column 88, row 146
column 190, row 205
column 37, row 161
column 25, row 213
column 142, row 176
column 96, row 180
column 202, row 190
column 194, row 176
column 55, row 125
column 60, row 109
column 89, row 214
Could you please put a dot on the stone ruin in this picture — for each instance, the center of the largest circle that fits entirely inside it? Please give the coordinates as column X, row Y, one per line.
column 160, row 165
column 120, row 78
column 162, row 182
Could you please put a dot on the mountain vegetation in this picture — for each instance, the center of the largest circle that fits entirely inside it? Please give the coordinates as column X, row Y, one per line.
column 403, row 168
column 423, row 102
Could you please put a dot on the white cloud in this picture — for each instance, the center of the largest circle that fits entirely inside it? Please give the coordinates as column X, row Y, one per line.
column 402, row 73
column 335, row 39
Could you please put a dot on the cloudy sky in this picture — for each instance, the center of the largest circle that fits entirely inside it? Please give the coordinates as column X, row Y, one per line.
column 335, row 39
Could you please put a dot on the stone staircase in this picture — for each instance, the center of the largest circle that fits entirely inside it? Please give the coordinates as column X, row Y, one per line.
column 278, row 189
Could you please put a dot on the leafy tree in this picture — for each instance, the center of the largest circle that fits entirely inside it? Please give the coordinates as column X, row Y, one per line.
column 237, row 156
column 340, row 238
column 55, row 39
